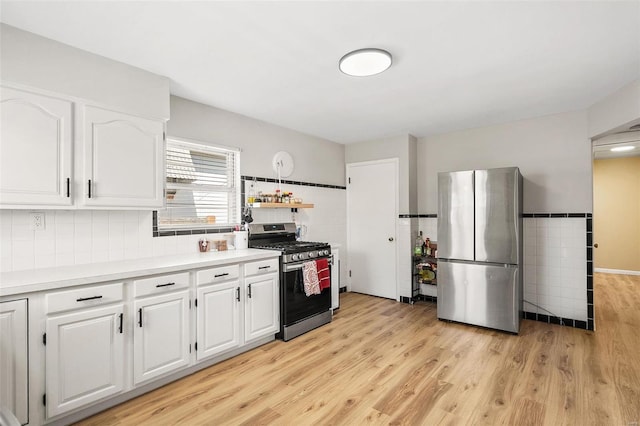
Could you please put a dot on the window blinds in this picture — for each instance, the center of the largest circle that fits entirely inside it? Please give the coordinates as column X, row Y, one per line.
column 202, row 186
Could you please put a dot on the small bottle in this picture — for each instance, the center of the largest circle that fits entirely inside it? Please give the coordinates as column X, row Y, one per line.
column 427, row 244
column 417, row 250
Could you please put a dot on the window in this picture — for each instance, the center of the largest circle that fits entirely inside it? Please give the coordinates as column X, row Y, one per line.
column 202, row 186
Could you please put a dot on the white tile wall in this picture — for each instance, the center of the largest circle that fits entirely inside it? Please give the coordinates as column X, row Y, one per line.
column 81, row 237
column 429, row 227
column 555, row 259
column 555, row 271
column 406, row 229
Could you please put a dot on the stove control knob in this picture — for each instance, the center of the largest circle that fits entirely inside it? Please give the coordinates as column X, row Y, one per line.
column 294, row 257
column 312, row 254
column 301, row 256
column 326, row 252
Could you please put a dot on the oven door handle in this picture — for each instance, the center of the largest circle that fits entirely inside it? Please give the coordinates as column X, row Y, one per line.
column 297, row 266
column 289, row 268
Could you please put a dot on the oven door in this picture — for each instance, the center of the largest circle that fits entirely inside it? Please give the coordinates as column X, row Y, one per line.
column 296, row 305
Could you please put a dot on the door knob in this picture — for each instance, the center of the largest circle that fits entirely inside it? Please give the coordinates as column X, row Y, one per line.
column 390, row 238
column 595, row 245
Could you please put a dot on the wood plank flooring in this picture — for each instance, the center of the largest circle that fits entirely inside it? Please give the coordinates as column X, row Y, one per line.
column 382, row 362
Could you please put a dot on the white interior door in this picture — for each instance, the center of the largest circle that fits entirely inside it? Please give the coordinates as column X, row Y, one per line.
column 372, row 209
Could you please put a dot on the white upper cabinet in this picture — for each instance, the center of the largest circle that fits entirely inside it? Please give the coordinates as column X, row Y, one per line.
column 123, row 160
column 65, row 153
column 35, row 149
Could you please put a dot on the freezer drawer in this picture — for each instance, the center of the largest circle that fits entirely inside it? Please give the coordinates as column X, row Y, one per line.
column 480, row 294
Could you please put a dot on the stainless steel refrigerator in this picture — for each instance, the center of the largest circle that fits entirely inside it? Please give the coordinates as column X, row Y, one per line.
column 480, row 247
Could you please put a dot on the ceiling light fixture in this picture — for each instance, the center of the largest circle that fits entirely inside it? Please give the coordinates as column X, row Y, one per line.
column 622, row 148
column 365, row 62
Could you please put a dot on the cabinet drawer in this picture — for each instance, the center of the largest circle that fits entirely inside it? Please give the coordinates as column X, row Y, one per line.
column 83, row 297
column 160, row 284
column 261, row 267
column 218, row 274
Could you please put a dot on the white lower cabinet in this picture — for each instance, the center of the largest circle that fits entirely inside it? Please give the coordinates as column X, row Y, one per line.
column 161, row 335
column 84, row 357
column 107, row 339
column 14, row 391
column 218, row 319
column 262, row 315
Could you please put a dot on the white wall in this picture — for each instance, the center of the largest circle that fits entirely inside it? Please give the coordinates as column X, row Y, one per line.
column 616, row 112
column 413, row 174
column 552, row 152
column 39, row 62
column 316, row 160
column 397, row 147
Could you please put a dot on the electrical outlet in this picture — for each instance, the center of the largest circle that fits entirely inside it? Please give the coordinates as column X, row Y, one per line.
column 37, row 221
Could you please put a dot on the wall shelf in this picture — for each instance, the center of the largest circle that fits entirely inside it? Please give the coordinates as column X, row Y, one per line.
column 281, row 206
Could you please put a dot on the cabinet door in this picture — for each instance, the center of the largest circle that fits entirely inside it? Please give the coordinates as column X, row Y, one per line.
column 123, row 160
column 84, row 357
column 35, row 149
column 14, row 377
column 161, row 335
column 218, row 320
column 262, row 312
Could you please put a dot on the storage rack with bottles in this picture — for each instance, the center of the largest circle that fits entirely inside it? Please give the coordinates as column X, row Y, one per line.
column 424, row 273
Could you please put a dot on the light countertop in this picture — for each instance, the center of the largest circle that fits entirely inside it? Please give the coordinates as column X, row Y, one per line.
column 18, row 282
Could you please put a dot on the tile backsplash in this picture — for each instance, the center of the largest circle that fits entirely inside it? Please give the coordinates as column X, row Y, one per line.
column 555, row 265
column 81, row 237
column 73, row 237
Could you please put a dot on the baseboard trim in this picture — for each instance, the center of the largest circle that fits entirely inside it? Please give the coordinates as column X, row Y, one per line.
column 616, row 271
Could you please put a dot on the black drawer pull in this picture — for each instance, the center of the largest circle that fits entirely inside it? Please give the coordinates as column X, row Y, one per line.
column 121, row 318
column 82, row 299
column 221, row 275
column 238, row 294
column 68, row 187
column 249, row 288
column 89, row 185
column 165, row 285
column 140, row 317
column 264, row 267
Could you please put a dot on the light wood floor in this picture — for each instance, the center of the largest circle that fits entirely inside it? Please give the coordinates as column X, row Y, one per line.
column 383, row 362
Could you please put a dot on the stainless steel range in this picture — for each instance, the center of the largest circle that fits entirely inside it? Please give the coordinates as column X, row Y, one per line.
column 299, row 313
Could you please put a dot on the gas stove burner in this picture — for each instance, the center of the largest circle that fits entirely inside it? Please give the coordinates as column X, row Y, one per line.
column 282, row 237
column 288, row 246
column 296, row 251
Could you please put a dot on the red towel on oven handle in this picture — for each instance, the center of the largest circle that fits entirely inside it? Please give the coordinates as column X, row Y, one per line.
column 324, row 276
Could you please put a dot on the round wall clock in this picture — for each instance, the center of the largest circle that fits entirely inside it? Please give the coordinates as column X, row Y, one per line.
column 283, row 164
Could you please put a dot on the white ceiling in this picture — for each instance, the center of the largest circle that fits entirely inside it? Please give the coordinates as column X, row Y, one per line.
column 456, row 64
